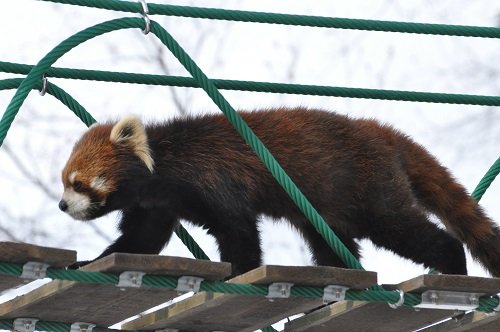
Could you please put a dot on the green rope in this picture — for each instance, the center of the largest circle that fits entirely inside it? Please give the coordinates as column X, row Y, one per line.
column 288, row 19
column 8, row 324
column 269, row 161
column 313, row 90
column 82, row 276
column 87, row 118
column 487, row 303
column 36, row 74
column 55, row 91
column 254, row 142
column 190, row 243
column 486, row 181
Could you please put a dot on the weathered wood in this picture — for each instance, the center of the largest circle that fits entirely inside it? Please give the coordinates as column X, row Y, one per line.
column 21, row 253
column 214, row 311
column 364, row 316
column 105, row 305
column 487, row 286
column 471, row 322
column 13, row 252
column 167, row 265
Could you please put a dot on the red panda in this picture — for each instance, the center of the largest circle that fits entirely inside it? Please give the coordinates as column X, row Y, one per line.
column 367, row 180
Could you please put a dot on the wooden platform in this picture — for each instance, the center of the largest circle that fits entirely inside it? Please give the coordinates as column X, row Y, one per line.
column 364, row 316
column 104, row 305
column 12, row 252
column 209, row 311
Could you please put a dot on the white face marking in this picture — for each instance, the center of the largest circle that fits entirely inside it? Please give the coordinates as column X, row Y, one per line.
column 79, row 205
column 98, row 183
column 72, row 177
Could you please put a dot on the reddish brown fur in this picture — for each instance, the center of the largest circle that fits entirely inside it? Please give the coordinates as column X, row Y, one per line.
column 365, row 179
column 88, row 156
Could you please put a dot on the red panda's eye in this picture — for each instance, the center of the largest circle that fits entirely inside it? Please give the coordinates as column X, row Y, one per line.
column 77, row 186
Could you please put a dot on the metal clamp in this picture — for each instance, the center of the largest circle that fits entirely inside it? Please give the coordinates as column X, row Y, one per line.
column 147, row 21
column 34, row 270
column 188, row 284
column 82, row 327
column 400, row 302
column 334, row 293
column 279, row 290
column 131, row 279
column 24, row 324
column 497, row 308
column 448, row 300
column 45, row 85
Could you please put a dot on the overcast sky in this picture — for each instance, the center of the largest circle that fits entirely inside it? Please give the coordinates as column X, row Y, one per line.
column 463, row 138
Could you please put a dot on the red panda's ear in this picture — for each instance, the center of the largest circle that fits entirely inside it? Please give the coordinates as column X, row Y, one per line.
column 130, row 132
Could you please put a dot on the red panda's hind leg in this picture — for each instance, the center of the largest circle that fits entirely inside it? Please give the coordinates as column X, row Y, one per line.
column 410, row 234
column 322, row 253
column 238, row 240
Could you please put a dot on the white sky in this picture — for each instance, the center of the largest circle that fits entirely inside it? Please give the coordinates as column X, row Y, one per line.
column 45, row 131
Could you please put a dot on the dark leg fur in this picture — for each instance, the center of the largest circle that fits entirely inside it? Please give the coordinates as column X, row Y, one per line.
column 238, row 245
column 411, row 235
column 322, row 253
column 144, row 231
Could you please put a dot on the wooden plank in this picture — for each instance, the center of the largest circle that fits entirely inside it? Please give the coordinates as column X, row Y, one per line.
column 167, row 265
column 488, row 286
column 13, row 252
column 471, row 322
column 364, row 316
column 214, row 311
column 105, row 305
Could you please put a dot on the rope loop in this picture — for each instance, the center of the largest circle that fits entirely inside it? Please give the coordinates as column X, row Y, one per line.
column 400, row 302
column 45, row 85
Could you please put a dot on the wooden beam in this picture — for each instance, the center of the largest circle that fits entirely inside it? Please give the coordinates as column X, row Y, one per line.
column 365, row 316
column 104, row 305
column 471, row 321
column 214, row 311
column 21, row 253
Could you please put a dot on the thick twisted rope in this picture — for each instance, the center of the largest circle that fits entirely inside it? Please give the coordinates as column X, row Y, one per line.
column 486, row 303
column 288, row 19
column 286, row 88
column 270, row 162
column 207, row 85
column 486, row 181
column 87, row 118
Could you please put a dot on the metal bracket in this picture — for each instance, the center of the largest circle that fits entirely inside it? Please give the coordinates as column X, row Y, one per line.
column 24, row 324
column 334, row 293
column 279, row 290
column 82, row 327
column 131, row 279
column 449, row 300
column 188, row 284
column 34, row 270
column 497, row 308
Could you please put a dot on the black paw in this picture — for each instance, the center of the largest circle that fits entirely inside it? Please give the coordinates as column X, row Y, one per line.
column 77, row 265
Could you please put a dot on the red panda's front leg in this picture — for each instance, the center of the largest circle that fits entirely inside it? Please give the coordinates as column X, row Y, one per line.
column 144, row 231
column 238, row 240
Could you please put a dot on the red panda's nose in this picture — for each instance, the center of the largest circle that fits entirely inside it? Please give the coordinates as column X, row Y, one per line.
column 63, row 205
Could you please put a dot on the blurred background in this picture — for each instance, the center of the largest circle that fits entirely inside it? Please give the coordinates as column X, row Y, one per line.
column 464, row 138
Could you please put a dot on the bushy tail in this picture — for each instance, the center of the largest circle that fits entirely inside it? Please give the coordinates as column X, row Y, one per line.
column 438, row 192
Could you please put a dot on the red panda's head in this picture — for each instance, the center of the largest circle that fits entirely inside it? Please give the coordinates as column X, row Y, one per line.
column 101, row 161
